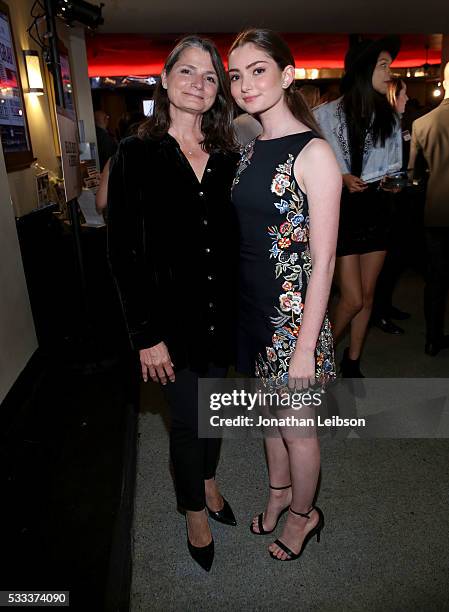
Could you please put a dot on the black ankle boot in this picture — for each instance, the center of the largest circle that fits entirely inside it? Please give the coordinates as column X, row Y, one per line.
column 350, row 368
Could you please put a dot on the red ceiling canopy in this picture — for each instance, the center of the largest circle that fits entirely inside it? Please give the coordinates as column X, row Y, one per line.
column 137, row 54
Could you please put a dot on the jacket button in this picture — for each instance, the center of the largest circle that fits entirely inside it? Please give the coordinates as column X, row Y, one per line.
column 211, row 304
column 209, row 170
column 211, row 328
column 205, row 222
column 207, row 250
column 201, row 193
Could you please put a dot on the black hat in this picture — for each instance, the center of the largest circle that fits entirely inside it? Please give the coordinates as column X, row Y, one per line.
column 368, row 51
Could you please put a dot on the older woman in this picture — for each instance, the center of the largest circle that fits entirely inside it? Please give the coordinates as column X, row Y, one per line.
column 171, row 231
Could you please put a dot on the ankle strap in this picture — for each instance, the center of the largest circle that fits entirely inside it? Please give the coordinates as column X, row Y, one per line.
column 304, row 514
column 280, row 488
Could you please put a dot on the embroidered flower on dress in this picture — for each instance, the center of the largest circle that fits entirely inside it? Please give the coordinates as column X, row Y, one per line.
column 291, row 301
column 282, row 206
column 328, row 366
column 294, row 268
column 297, row 305
column 271, row 354
column 295, row 219
column 285, row 302
column 277, row 341
column 299, row 235
column 287, row 167
column 284, row 243
column 280, row 183
column 285, row 228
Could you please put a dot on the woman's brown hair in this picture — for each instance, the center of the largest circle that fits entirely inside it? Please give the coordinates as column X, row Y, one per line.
column 216, row 123
column 394, row 89
column 279, row 51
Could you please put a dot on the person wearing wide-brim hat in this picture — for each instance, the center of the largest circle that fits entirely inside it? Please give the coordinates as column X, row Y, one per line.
column 364, row 132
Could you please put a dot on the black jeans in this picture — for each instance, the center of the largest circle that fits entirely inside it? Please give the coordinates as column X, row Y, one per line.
column 194, row 459
column 437, row 281
column 405, row 230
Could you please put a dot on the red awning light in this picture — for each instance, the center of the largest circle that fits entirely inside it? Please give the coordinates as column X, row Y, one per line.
column 120, row 54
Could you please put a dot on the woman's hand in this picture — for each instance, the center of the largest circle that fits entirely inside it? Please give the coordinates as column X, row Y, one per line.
column 301, row 373
column 353, row 183
column 156, row 362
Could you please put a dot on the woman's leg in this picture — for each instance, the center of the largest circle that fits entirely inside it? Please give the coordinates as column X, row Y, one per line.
column 186, row 449
column 212, row 446
column 349, row 281
column 187, row 453
column 278, row 476
column 304, row 460
column 214, row 498
column 370, row 267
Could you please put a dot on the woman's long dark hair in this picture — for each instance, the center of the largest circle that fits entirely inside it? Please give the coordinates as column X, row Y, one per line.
column 216, row 123
column 367, row 111
column 279, row 51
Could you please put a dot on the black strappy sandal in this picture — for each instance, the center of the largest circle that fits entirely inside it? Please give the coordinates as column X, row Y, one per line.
column 316, row 530
column 262, row 531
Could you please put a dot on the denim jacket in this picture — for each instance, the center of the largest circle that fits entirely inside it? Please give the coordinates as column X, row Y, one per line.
column 377, row 160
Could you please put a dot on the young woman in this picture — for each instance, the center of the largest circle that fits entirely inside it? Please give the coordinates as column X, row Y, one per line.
column 170, row 235
column 364, row 132
column 286, row 194
column 403, row 228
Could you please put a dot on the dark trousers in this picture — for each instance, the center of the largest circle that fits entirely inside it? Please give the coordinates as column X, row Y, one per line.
column 437, row 281
column 405, row 231
column 395, row 263
column 194, row 459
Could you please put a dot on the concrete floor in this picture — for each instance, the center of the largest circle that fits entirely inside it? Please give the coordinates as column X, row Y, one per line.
column 386, row 540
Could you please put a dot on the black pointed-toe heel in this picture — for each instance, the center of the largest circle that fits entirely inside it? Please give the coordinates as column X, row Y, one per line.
column 203, row 555
column 225, row 515
column 315, row 531
column 260, row 517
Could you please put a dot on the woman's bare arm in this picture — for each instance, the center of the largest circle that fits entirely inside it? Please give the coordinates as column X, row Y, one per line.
column 317, row 169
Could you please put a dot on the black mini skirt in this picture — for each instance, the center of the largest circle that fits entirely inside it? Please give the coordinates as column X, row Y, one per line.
column 365, row 220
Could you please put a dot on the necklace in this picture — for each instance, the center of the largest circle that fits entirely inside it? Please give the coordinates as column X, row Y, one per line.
column 191, row 151
column 187, row 150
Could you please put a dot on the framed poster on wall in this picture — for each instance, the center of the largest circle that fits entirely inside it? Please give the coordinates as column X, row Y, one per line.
column 66, row 79
column 14, row 131
column 70, row 157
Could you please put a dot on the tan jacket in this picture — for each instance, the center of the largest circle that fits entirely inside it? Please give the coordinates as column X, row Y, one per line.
column 430, row 134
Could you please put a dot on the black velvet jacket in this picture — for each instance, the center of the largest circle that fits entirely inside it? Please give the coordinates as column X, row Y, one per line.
column 173, row 250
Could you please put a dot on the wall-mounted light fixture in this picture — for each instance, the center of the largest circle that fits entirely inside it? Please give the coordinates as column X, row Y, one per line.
column 33, row 67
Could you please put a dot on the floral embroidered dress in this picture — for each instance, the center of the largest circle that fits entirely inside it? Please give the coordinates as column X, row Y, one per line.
column 275, row 262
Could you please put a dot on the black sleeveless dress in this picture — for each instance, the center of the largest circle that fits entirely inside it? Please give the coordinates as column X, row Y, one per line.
column 275, row 262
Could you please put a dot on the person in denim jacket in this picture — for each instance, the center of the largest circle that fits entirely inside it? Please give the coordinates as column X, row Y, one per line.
column 365, row 134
